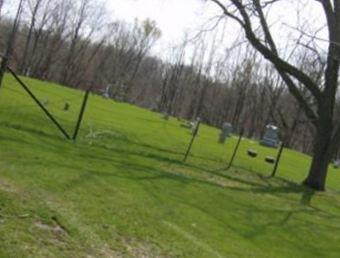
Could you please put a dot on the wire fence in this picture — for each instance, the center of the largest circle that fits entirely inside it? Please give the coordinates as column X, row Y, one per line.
column 19, row 110
column 143, row 133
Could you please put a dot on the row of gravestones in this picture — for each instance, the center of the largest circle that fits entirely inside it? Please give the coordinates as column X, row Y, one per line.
column 270, row 138
column 45, row 102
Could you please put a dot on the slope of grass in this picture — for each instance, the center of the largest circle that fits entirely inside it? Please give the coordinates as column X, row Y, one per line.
column 122, row 189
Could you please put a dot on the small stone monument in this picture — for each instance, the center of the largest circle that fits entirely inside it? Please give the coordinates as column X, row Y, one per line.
column 153, row 107
column 271, row 137
column 166, row 116
column 45, row 102
column 186, row 124
column 107, row 91
column 226, row 131
column 195, row 125
column 66, row 106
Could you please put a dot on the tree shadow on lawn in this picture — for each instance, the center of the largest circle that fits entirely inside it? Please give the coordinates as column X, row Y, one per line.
column 257, row 184
column 307, row 196
column 31, row 130
column 173, row 161
column 273, row 185
column 153, row 155
column 128, row 141
column 147, row 175
column 117, row 136
column 251, row 213
column 249, row 181
column 134, row 140
column 129, row 168
column 107, row 157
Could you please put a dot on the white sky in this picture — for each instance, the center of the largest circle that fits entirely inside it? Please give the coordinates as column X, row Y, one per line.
column 172, row 16
column 176, row 17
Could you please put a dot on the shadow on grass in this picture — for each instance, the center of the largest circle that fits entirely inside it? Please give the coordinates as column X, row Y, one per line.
column 130, row 168
column 154, row 179
column 105, row 155
column 117, row 136
column 30, row 130
column 307, row 196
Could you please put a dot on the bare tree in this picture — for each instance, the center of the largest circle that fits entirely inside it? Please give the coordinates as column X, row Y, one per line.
column 321, row 111
column 34, row 8
column 11, row 41
column 145, row 36
column 171, row 83
column 81, row 15
column 49, row 38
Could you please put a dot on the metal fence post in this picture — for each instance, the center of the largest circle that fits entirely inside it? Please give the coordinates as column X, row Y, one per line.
column 236, row 149
column 81, row 114
column 278, row 158
column 192, row 140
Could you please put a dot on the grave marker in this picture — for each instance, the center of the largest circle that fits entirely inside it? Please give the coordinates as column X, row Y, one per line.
column 271, row 137
column 226, row 131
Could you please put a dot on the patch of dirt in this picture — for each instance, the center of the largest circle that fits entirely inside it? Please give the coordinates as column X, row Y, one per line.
column 133, row 248
column 7, row 187
column 107, row 252
column 55, row 227
column 142, row 249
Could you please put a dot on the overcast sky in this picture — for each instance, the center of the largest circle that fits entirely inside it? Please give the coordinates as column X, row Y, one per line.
column 172, row 16
column 176, row 17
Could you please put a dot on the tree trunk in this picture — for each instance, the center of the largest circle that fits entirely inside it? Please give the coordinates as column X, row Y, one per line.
column 322, row 156
column 23, row 67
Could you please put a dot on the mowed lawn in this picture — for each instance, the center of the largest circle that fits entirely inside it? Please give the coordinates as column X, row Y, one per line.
column 122, row 190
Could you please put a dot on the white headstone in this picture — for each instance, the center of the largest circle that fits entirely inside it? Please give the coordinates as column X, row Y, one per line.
column 226, row 131
column 106, row 93
column 271, row 136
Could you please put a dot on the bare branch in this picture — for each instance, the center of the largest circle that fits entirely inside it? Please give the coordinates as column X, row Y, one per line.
column 283, row 66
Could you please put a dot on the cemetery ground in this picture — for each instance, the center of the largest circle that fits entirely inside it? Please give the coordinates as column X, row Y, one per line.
column 122, row 190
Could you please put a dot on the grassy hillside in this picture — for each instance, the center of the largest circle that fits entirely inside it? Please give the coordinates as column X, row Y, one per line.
column 122, row 189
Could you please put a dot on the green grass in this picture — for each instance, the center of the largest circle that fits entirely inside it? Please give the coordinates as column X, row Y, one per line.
column 122, row 189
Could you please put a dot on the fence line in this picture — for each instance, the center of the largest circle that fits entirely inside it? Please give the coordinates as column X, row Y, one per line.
column 176, row 137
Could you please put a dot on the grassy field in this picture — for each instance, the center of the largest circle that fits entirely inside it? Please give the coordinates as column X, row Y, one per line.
column 122, row 189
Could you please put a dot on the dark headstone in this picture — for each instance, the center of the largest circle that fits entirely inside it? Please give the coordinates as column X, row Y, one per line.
column 66, row 106
column 270, row 160
column 166, row 116
column 252, row 153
